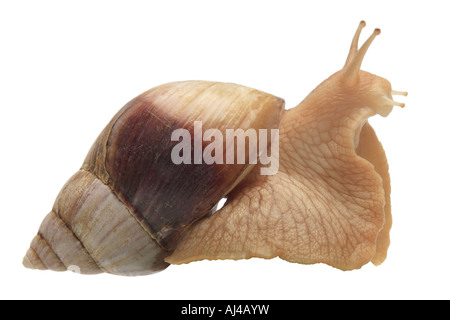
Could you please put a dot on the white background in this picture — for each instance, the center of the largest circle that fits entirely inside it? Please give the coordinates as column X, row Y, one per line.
column 67, row 67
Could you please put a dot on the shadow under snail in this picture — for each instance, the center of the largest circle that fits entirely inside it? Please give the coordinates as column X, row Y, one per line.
column 130, row 210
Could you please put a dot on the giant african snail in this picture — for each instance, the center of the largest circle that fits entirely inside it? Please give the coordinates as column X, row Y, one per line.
column 131, row 211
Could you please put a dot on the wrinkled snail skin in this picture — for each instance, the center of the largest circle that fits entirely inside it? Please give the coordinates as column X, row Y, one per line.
column 330, row 200
column 125, row 209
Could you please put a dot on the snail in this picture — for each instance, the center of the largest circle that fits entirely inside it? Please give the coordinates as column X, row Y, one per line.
column 130, row 210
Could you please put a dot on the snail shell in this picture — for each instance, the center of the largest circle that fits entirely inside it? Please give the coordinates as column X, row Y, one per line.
column 124, row 211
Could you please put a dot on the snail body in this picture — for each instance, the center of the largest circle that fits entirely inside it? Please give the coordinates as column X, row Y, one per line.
column 130, row 210
column 330, row 200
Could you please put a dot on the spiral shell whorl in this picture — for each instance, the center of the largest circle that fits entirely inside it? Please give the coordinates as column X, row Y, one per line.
column 133, row 153
column 91, row 231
